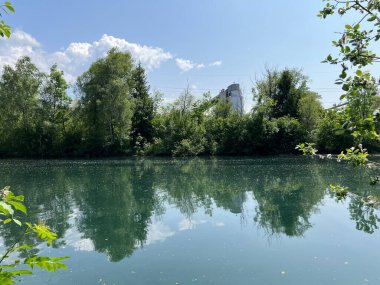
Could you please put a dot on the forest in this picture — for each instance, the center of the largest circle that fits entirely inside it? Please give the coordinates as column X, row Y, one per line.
column 112, row 113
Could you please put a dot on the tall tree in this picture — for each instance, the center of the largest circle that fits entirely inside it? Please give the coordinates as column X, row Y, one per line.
column 310, row 111
column 106, row 103
column 142, row 129
column 283, row 90
column 55, row 109
column 19, row 97
column 291, row 88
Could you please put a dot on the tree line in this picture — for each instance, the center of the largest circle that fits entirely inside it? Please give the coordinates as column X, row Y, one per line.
column 113, row 114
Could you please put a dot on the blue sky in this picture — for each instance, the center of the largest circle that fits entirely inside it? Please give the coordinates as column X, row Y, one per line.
column 207, row 44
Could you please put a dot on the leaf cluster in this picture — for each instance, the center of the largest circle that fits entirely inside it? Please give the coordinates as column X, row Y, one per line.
column 354, row 54
column 10, row 269
column 5, row 29
column 356, row 156
column 307, row 149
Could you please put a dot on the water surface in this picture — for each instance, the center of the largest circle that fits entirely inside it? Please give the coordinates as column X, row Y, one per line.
column 201, row 221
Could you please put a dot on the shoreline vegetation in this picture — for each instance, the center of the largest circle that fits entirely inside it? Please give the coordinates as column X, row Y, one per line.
column 112, row 114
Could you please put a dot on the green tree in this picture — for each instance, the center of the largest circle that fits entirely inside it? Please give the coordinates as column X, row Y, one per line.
column 55, row 109
column 285, row 89
column 328, row 139
column 106, row 103
column 178, row 128
column 310, row 111
column 142, row 128
column 19, row 93
column 282, row 113
column 226, row 131
column 291, row 88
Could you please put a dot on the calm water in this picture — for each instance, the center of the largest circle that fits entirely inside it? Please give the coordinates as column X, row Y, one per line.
column 203, row 221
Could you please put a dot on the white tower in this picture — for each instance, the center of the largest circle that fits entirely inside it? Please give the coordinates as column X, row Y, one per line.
column 234, row 96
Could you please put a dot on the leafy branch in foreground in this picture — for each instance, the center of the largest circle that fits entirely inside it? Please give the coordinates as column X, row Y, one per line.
column 5, row 30
column 357, row 156
column 307, row 149
column 354, row 54
column 359, row 87
column 11, row 268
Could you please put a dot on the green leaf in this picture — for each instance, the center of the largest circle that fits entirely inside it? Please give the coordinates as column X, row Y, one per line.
column 359, row 72
column 10, row 8
column 44, row 233
column 6, row 208
column 21, row 272
column 5, row 280
column 17, row 222
column 47, row 263
column 6, row 30
column 18, row 206
column 373, row 18
column 339, row 132
column 24, row 246
column 348, row 27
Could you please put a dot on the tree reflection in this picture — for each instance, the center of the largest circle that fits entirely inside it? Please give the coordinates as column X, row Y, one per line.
column 47, row 197
column 116, row 205
column 285, row 202
column 365, row 216
column 114, row 201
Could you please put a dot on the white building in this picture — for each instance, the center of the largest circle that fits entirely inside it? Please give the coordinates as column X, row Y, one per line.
column 234, row 96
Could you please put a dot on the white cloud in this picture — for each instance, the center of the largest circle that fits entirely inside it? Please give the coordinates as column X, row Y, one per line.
column 158, row 232
column 216, row 63
column 83, row 245
column 187, row 224
column 74, row 238
column 187, row 65
column 77, row 57
column 79, row 49
column 184, row 64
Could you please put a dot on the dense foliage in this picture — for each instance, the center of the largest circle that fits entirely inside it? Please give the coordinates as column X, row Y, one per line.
column 114, row 114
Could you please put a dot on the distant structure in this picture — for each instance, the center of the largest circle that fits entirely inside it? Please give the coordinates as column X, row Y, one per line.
column 234, row 96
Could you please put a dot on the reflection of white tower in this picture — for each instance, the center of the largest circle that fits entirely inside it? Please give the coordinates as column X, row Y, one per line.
column 234, row 96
